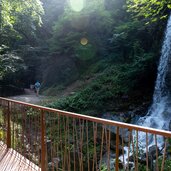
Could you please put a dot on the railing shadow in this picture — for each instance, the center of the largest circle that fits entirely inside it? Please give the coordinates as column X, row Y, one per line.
column 10, row 160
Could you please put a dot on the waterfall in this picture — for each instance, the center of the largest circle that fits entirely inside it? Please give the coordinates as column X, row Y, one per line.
column 159, row 114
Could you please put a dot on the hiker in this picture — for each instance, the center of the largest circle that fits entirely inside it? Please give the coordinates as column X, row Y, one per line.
column 37, row 87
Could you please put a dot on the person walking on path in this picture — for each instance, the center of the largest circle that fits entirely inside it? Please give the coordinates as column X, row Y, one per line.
column 37, row 87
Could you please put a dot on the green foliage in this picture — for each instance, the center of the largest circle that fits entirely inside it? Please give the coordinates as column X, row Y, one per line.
column 129, row 40
column 104, row 168
column 120, row 53
column 71, row 27
column 116, row 81
column 141, row 167
column 152, row 9
column 85, row 52
column 10, row 62
column 19, row 21
column 167, row 164
column 14, row 10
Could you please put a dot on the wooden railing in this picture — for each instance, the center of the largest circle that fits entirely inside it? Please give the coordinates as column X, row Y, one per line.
column 64, row 141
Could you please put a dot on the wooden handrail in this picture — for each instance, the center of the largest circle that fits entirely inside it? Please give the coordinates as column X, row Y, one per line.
column 94, row 119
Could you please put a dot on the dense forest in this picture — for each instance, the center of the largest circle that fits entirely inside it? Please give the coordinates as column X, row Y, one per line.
column 106, row 52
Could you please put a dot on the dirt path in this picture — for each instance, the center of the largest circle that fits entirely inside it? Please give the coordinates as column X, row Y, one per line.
column 29, row 97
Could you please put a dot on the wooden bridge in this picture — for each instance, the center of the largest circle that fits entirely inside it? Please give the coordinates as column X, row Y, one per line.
column 10, row 160
column 36, row 138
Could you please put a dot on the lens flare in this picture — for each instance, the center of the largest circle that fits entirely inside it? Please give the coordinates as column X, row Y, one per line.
column 84, row 41
column 77, row 5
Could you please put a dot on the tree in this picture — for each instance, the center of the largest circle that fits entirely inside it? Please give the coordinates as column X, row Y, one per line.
column 19, row 19
column 153, row 9
column 94, row 23
column 10, row 62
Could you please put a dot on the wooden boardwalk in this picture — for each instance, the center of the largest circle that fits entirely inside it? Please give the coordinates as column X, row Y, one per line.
column 10, row 160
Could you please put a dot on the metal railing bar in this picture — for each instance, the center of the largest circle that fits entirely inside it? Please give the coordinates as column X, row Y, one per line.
column 8, row 126
column 136, row 162
column 129, row 143
column 117, row 149
column 43, row 153
column 101, row 151
column 164, row 156
column 155, row 138
column 147, row 152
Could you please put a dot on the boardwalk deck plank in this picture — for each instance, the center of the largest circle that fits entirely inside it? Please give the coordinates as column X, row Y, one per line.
column 10, row 160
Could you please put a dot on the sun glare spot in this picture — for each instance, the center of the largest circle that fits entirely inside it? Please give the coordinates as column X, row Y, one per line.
column 77, row 5
column 84, row 41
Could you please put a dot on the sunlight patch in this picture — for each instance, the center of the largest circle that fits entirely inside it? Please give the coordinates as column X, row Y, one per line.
column 84, row 41
column 77, row 5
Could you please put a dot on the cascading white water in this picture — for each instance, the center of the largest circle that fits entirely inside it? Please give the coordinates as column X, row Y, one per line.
column 159, row 114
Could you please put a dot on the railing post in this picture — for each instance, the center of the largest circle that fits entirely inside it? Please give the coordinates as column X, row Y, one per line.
column 43, row 145
column 8, row 127
column 117, row 150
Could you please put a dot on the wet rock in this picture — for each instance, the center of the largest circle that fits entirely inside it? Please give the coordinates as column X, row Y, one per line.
column 152, row 151
column 49, row 146
column 112, row 160
column 113, row 147
column 111, row 157
column 168, row 149
column 143, row 161
column 129, row 166
column 122, row 132
column 170, row 126
column 54, row 163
